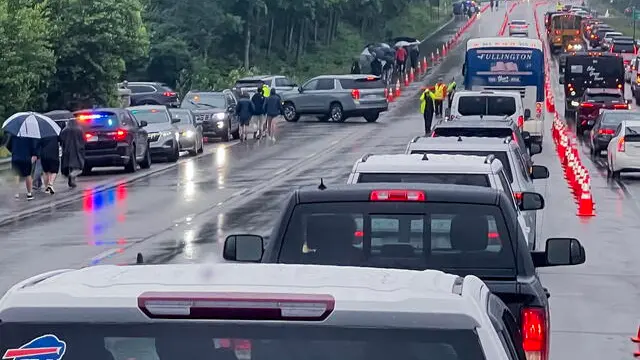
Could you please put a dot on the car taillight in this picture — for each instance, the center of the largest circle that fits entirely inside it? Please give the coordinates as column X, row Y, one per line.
column 355, row 94
column 169, row 93
column 593, row 36
column 587, row 105
column 236, row 306
column 433, row 134
column 606, row 131
column 577, row 32
column 619, row 86
column 621, row 106
column 534, row 333
column 120, row 135
column 87, row 136
column 397, row 195
column 557, row 32
column 520, row 121
column 621, row 145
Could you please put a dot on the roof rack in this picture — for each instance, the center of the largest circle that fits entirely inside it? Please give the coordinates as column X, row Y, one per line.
column 489, row 159
column 366, row 157
column 415, row 139
column 507, row 140
column 459, row 138
column 425, row 157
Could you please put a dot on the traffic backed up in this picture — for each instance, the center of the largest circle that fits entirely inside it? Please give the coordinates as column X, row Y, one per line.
column 459, row 229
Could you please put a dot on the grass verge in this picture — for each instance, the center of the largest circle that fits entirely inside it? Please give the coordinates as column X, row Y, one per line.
column 4, row 153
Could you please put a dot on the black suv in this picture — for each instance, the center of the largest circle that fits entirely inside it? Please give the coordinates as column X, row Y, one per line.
column 151, row 93
column 113, row 137
column 459, row 229
column 216, row 111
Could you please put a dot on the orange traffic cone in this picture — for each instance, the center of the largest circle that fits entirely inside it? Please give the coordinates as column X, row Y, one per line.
column 437, row 53
column 425, row 66
column 444, row 50
column 397, row 93
column 585, row 205
column 637, row 341
column 412, row 75
column 433, row 58
column 389, row 93
column 406, row 79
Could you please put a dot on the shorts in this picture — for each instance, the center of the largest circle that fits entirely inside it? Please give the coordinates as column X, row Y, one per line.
column 244, row 122
column 51, row 166
column 22, row 168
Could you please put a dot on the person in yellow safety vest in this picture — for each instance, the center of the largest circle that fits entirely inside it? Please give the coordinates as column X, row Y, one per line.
column 451, row 89
column 266, row 91
column 427, row 107
column 558, row 6
column 440, row 92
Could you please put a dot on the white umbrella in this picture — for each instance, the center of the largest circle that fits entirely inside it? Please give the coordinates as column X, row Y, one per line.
column 31, row 125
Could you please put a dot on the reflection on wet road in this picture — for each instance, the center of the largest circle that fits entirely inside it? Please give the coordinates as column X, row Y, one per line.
column 183, row 214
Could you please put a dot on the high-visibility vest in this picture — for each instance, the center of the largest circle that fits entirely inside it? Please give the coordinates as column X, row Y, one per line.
column 266, row 91
column 558, row 7
column 452, row 86
column 440, row 89
column 426, row 95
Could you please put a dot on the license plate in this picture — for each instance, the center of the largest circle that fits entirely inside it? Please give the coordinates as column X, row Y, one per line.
column 371, row 96
column 93, row 139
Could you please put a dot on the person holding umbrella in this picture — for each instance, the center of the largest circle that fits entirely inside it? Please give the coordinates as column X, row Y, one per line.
column 25, row 129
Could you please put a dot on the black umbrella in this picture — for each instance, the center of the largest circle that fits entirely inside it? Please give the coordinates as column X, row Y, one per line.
column 404, row 38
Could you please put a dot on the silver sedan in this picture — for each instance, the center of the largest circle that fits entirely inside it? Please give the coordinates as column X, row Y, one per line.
column 191, row 138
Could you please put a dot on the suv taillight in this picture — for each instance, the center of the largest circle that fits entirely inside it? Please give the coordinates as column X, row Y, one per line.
column 534, row 334
column 169, row 93
column 355, row 94
column 520, row 121
column 397, row 195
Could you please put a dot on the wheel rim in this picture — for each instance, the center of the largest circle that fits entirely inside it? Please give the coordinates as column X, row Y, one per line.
column 289, row 112
column 336, row 113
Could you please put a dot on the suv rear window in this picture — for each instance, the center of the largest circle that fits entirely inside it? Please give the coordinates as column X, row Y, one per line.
column 248, row 341
column 418, row 236
column 423, row 178
column 500, row 155
column 97, row 120
column 486, row 105
column 247, row 83
column 622, row 47
column 604, row 97
column 151, row 116
column 473, row 132
column 363, row 83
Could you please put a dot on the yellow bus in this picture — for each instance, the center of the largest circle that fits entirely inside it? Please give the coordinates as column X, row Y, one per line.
column 564, row 29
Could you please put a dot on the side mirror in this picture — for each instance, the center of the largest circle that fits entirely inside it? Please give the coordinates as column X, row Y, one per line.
column 535, row 149
column 293, row 85
column 539, row 172
column 527, row 114
column 175, row 120
column 526, row 136
column 243, row 248
column 143, row 123
column 561, row 80
column 531, row 201
column 300, row 89
column 231, row 109
column 560, row 252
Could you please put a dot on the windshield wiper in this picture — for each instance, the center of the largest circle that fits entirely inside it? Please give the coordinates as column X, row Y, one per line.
column 203, row 104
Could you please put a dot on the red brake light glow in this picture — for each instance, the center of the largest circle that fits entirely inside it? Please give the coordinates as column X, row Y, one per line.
column 606, row 131
column 355, row 94
column 621, row 145
column 620, row 106
column 169, row 93
column 236, row 306
column 120, row 135
column 534, row 333
column 397, row 195
column 586, row 105
column 520, row 121
column 88, row 136
column 371, row 78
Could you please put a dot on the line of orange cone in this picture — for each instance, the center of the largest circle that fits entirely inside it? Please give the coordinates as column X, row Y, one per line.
column 636, row 340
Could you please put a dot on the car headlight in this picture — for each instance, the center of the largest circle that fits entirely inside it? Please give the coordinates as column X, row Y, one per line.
column 166, row 133
column 220, row 116
column 220, row 124
column 188, row 134
column 574, row 103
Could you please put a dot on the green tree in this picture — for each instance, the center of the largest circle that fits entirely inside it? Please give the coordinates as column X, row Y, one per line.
column 93, row 41
column 27, row 61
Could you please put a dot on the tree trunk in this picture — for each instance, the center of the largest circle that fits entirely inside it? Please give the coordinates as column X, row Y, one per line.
column 315, row 31
column 247, row 36
column 290, row 36
column 329, row 26
column 300, row 39
column 270, row 41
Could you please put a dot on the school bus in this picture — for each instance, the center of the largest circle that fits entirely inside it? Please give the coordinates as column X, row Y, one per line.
column 564, row 29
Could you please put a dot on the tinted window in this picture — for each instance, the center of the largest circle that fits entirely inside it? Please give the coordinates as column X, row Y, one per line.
column 518, row 22
column 500, row 155
column 181, row 341
column 506, row 186
column 604, row 97
column 424, row 235
column 566, row 22
column 248, row 84
column 611, row 119
column 622, row 47
column 151, row 116
column 185, row 117
column 283, row 82
column 473, row 132
column 458, row 179
column 486, row 105
column 325, row 84
column 632, row 130
column 524, row 170
column 311, row 85
column 201, row 101
column 374, row 83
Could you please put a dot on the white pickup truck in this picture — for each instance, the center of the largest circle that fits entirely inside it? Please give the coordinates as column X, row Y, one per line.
column 498, row 105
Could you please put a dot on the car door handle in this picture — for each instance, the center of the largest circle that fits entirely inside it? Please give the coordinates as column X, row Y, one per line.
column 547, row 293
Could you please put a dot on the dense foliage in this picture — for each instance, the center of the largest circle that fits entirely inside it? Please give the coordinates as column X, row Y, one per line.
column 71, row 53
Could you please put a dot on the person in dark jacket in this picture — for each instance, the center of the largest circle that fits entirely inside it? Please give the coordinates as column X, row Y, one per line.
column 414, row 54
column 355, row 67
column 24, row 152
column 273, row 109
column 244, row 111
column 49, row 156
column 376, row 67
column 258, row 112
column 72, row 139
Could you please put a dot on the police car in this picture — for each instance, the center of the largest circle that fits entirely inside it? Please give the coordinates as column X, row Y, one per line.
column 254, row 311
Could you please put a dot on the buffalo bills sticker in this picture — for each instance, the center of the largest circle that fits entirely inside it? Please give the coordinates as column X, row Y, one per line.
column 46, row 347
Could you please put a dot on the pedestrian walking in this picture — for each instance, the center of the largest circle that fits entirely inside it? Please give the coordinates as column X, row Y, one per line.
column 401, row 59
column 72, row 140
column 273, row 109
column 440, row 92
column 244, row 111
column 49, row 156
column 24, row 153
column 258, row 112
column 427, row 108
column 414, row 55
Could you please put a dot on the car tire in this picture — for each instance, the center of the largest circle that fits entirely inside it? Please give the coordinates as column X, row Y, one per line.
column 372, row 117
column 132, row 165
column 637, row 100
column 290, row 113
column 236, row 134
column 175, row 154
column 146, row 162
column 227, row 134
column 335, row 112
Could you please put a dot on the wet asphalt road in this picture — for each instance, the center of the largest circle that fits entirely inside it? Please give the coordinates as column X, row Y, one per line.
column 182, row 215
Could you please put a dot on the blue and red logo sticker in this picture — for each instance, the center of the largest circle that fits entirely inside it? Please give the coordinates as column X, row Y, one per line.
column 46, row 347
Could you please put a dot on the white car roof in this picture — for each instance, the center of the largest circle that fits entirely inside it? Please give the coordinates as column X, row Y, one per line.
column 362, row 296
column 459, row 143
column 416, row 163
column 486, row 93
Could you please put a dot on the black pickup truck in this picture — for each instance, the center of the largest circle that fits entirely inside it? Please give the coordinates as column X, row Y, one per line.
column 454, row 228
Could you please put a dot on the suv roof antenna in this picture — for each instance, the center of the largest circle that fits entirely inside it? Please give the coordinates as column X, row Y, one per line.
column 139, row 259
column 321, row 186
column 459, row 138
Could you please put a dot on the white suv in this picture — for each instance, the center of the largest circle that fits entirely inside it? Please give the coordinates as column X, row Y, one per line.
column 485, row 171
column 254, row 311
column 506, row 150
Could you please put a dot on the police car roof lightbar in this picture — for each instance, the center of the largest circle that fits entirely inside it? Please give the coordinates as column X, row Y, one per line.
column 236, row 306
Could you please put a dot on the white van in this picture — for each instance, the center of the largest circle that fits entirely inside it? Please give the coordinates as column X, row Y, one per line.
column 497, row 105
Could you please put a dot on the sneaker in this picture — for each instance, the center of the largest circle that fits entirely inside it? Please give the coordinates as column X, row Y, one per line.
column 50, row 190
column 29, row 196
